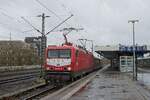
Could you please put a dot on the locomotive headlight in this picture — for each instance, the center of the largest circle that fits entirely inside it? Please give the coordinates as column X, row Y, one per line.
column 69, row 68
column 47, row 68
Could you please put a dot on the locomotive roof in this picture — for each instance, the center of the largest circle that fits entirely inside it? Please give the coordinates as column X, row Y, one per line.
column 67, row 47
column 59, row 47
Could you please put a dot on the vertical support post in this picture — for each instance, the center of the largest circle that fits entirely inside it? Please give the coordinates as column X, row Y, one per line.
column 43, row 24
column 10, row 51
column 134, row 72
column 136, row 67
column 111, row 62
column 134, row 51
column 43, row 39
column 43, row 43
column 92, row 46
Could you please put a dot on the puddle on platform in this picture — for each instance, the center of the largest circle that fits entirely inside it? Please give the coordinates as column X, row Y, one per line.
column 144, row 78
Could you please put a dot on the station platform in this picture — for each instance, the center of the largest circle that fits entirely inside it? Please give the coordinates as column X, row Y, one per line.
column 112, row 86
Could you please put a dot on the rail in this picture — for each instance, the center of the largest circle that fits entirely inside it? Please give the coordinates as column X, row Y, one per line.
column 19, row 78
column 40, row 91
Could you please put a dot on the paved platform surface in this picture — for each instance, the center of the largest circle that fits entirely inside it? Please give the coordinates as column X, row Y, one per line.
column 112, row 86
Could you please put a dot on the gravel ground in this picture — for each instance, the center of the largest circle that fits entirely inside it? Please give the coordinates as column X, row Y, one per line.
column 16, row 86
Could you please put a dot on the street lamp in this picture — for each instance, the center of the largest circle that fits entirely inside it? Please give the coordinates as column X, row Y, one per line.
column 134, row 65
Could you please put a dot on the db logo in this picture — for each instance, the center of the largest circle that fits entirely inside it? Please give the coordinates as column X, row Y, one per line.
column 58, row 64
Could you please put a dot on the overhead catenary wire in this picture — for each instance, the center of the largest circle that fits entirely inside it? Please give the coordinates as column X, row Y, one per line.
column 64, row 6
column 7, row 26
column 4, row 13
column 6, row 35
column 48, row 9
column 10, row 17
column 31, row 25
column 44, row 6
column 27, row 31
column 70, row 12
column 16, row 29
column 16, row 21
column 59, row 25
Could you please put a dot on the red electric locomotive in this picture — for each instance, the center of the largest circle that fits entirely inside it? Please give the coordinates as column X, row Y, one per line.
column 67, row 62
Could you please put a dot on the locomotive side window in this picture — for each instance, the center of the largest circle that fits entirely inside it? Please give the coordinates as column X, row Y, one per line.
column 64, row 53
column 59, row 53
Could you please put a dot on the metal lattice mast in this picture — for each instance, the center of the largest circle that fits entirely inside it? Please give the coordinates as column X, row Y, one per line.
column 43, row 37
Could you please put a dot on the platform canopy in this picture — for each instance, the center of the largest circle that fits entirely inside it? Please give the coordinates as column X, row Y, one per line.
column 114, row 51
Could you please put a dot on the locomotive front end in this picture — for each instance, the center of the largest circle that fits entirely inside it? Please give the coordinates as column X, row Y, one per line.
column 58, row 64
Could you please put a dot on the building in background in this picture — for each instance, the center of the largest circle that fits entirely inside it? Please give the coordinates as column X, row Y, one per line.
column 16, row 53
column 35, row 43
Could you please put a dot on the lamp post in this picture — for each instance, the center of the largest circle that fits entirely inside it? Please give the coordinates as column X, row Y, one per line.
column 134, row 52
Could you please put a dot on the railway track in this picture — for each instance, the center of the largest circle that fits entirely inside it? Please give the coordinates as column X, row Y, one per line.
column 43, row 90
column 54, row 91
column 20, row 72
column 37, row 93
column 21, row 83
column 67, row 91
column 14, row 76
column 19, row 78
column 34, row 92
column 19, row 92
column 30, row 92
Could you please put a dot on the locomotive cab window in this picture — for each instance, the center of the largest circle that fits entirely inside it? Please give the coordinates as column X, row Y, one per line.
column 59, row 53
column 64, row 53
column 52, row 53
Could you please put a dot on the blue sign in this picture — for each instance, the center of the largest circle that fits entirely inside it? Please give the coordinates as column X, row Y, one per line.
column 123, row 48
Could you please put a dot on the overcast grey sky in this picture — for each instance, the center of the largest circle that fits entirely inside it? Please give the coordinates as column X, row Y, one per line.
column 104, row 21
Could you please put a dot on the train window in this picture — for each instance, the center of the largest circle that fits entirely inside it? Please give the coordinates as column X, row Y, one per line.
column 53, row 54
column 64, row 53
column 59, row 53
